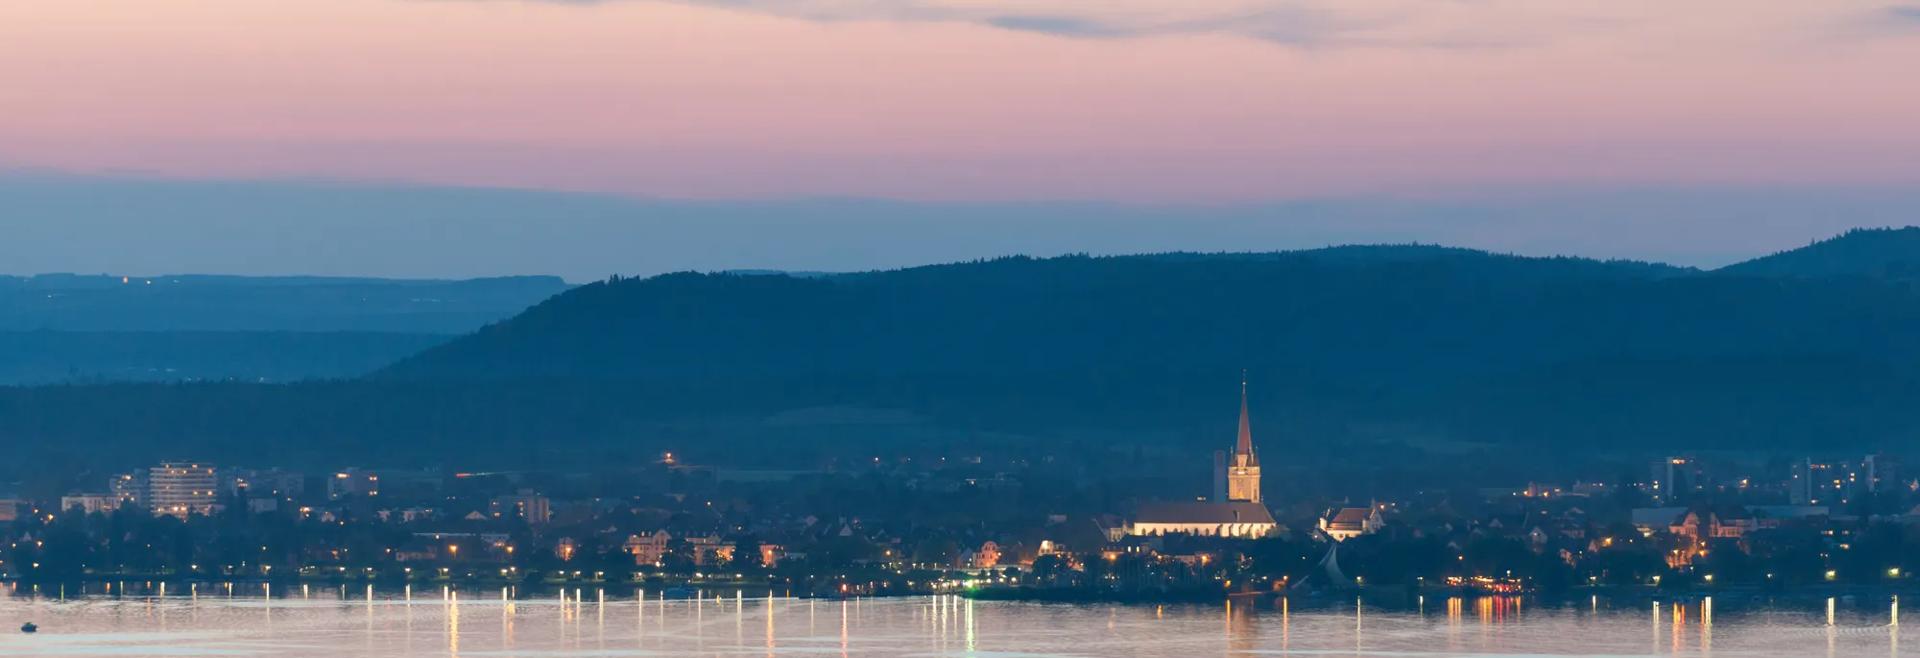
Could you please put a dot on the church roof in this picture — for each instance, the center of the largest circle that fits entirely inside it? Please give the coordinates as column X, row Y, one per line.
column 1351, row 516
column 1204, row 513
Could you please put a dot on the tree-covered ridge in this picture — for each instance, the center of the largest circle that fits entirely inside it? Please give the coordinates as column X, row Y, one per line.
column 1869, row 252
column 1402, row 353
column 1398, row 312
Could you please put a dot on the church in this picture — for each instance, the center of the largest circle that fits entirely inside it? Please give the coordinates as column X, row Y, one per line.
column 1234, row 511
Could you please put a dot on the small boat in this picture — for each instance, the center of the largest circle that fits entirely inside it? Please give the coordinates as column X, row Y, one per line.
column 29, row 628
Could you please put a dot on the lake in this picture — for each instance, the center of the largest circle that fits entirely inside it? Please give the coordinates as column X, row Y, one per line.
column 336, row 621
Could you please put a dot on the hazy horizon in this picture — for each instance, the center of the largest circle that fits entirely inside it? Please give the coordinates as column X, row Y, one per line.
column 63, row 223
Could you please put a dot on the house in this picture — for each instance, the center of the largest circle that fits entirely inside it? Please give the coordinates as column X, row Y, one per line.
column 648, row 548
column 1350, row 522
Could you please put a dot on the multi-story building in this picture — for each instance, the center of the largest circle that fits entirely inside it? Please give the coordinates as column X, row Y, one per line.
column 130, row 486
column 89, row 503
column 1677, row 480
column 1879, row 473
column 1840, row 482
column 183, row 488
column 353, row 482
column 269, row 483
column 535, row 508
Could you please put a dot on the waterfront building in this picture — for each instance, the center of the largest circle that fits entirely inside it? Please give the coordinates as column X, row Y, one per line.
column 988, row 555
column 1349, row 522
column 710, row 550
column 1242, row 514
column 648, row 548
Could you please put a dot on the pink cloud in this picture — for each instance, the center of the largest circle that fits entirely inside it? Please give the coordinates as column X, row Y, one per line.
column 1175, row 101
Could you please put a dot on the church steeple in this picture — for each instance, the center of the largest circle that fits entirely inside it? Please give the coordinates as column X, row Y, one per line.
column 1243, row 468
column 1243, row 445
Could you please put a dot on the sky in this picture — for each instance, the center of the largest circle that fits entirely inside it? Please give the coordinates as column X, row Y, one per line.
column 1167, row 114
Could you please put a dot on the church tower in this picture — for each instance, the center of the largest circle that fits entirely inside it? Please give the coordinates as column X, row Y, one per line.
column 1243, row 466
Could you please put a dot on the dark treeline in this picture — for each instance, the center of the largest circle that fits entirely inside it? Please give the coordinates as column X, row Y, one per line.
column 1883, row 253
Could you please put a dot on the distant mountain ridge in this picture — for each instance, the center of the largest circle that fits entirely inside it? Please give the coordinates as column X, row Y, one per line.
column 68, row 302
column 69, row 357
column 62, row 328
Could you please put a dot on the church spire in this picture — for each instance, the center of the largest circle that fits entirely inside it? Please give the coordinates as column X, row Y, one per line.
column 1243, row 469
column 1244, row 444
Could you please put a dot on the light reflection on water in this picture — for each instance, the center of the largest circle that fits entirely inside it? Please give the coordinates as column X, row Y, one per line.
column 302, row 621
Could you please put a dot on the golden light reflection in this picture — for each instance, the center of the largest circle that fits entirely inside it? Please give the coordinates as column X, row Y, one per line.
column 1286, row 623
column 1706, row 626
column 506, row 619
column 970, row 636
column 1679, row 632
column 1656, row 627
column 453, row 624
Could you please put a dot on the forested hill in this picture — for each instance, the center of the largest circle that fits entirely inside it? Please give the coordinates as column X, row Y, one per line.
column 1393, row 353
column 1551, row 353
column 1367, row 315
column 1880, row 253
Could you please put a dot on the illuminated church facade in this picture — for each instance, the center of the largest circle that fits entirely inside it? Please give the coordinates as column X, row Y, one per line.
column 1235, row 511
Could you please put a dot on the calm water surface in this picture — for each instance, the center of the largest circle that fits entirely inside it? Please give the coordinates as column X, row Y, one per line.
column 341, row 622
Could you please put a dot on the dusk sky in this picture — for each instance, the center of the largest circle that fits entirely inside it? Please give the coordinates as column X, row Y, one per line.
column 1161, row 105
